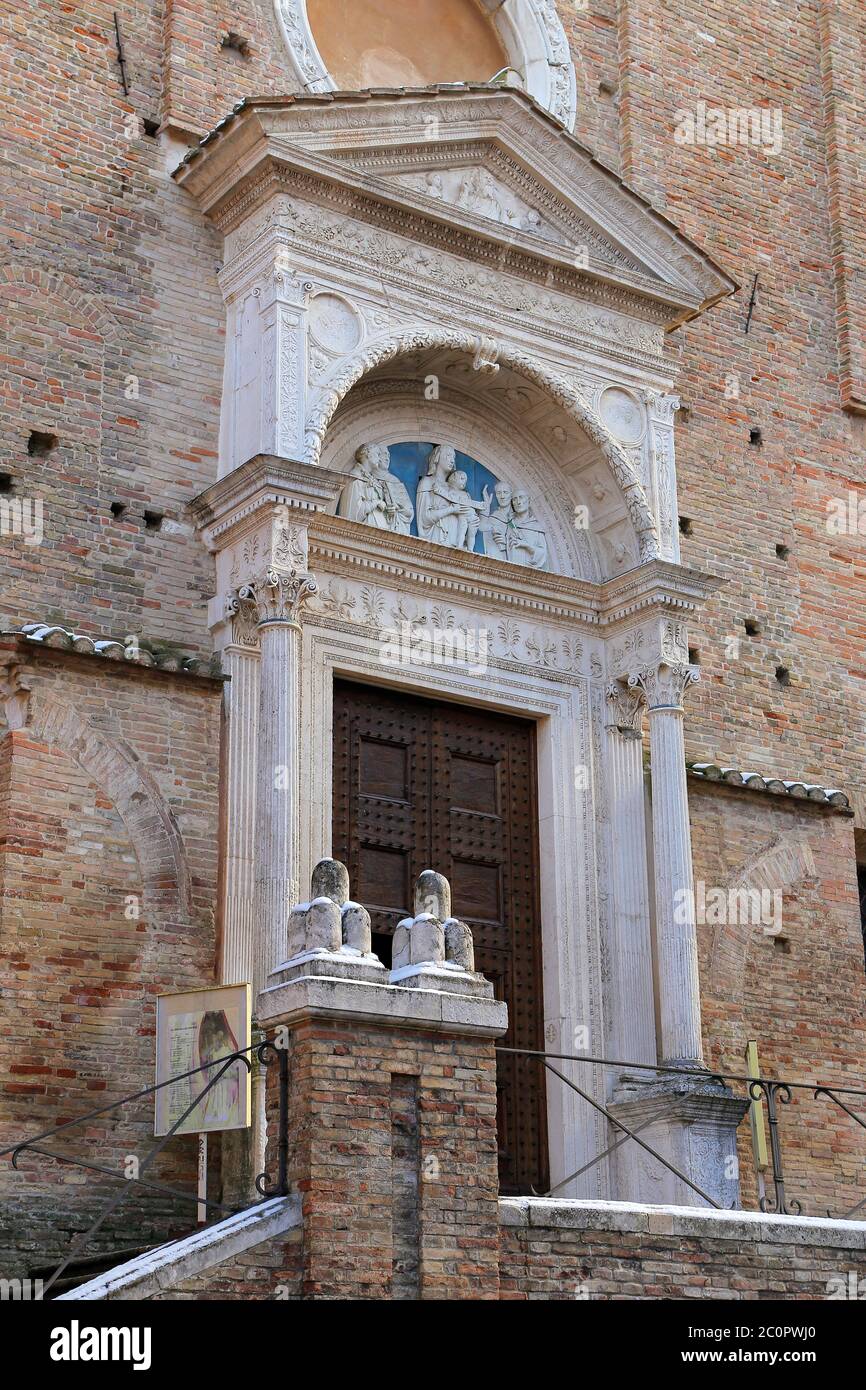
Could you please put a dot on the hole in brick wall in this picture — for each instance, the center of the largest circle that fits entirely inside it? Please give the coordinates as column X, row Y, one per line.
column 117, row 510
column 41, row 443
column 235, row 43
column 150, row 127
column 684, row 413
column 752, row 627
column 783, row 675
column 781, row 945
column 5, row 482
column 153, row 520
column 694, row 656
column 756, row 437
column 783, row 551
column 607, row 89
column 686, row 526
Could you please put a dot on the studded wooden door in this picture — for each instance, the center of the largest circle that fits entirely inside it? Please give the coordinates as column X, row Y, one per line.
column 424, row 785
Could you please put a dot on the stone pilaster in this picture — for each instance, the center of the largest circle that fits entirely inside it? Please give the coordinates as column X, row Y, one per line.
column 689, row 1120
column 634, row 1036
column 264, row 379
column 240, row 662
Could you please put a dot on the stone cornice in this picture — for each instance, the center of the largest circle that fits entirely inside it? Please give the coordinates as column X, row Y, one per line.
column 337, row 546
column 262, row 482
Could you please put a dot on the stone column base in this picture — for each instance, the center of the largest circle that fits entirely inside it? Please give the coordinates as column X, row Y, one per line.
column 692, row 1122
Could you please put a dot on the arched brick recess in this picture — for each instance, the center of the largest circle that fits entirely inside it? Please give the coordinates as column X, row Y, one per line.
column 152, row 829
column 64, row 287
column 784, row 865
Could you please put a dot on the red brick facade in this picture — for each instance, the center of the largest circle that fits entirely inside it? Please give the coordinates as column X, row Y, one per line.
column 108, row 872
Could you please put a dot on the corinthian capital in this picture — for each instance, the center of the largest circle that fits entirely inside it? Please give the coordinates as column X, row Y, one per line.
column 277, row 596
column 624, row 709
column 663, row 686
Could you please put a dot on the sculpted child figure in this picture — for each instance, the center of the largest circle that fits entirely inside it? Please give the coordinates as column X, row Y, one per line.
column 467, row 519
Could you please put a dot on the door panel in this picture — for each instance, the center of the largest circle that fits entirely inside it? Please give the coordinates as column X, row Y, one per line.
column 424, row 785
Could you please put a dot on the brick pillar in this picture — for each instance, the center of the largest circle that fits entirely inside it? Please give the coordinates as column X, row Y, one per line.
column 392, row 1130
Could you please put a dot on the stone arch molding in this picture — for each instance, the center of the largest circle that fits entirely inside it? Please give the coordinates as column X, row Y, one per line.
column 511, row 452
column 116, row 769
column 568, row 395
column 530, row 30
column 785, row 865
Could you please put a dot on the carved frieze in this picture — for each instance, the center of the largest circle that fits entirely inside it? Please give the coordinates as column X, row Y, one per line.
column 404, row 620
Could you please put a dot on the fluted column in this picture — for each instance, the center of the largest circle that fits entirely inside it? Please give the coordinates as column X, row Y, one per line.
column 632, row 963
column 277, row 598
column 663, row 687
column 240, row 660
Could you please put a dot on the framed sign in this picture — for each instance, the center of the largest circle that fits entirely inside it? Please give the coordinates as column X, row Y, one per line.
column 196, row 1029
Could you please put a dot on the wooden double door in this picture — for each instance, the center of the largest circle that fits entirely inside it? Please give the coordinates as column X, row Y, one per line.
column 420, row 785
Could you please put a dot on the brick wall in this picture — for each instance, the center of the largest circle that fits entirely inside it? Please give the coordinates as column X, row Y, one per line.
column 778, row 215
column 101, row 261
column 392, row 1145
column 108, row 864
column 799, row 991
column 555, row 1251
column 596, row 1250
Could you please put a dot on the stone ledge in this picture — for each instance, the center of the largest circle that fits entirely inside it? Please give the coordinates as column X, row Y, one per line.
column 694, row 1223
column 312, row 996
column 168, row 1265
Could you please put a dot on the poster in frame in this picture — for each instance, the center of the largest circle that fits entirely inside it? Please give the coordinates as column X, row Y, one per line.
column 196, row 1028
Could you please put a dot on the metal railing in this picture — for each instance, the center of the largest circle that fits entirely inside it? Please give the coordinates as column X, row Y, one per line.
column 264, row 1051
column 774, row 1090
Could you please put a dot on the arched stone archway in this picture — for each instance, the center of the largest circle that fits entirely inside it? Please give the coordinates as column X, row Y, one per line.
column 567, row 395
column 530, row 31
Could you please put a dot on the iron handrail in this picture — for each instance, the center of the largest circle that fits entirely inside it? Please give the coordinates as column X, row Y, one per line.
column 758, row 1087
column 706, row 1073
column 262, row 1050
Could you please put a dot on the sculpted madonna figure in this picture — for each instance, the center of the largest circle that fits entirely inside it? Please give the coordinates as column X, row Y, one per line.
column 445, row 511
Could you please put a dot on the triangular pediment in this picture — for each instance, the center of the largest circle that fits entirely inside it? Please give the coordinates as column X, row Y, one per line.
column 476, row 181
column 485, row 161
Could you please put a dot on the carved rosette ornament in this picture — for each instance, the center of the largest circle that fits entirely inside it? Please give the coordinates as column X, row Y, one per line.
column 624, row 709
column 663, row 686
column 277, row 596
